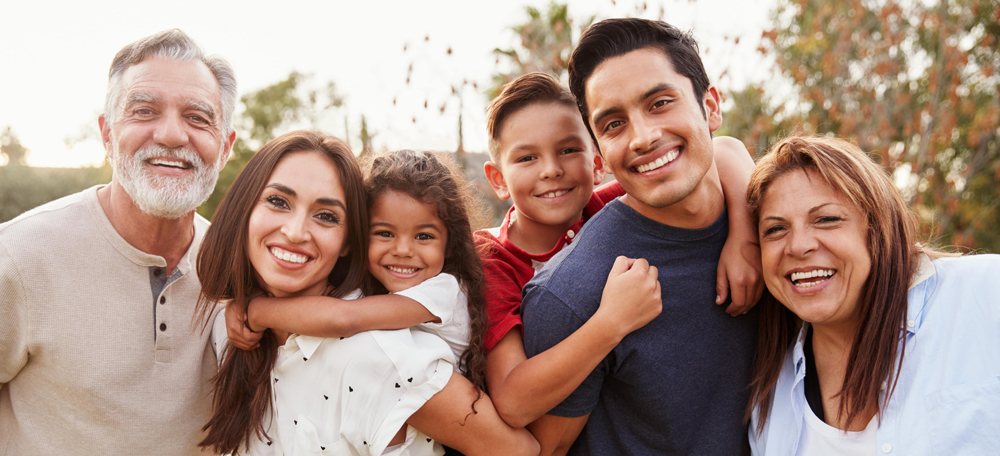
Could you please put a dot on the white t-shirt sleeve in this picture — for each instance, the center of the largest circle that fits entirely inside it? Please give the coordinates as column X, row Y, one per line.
column 438, row 294
column 443, row 297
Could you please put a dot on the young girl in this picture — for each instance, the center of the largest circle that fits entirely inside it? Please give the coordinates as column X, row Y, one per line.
column 294, row 224
column 420, row 249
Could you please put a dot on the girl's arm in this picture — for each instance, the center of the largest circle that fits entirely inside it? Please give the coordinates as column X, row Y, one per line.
column 322, row 316
column 448, row 418
column 740, row 269
column 525, row 389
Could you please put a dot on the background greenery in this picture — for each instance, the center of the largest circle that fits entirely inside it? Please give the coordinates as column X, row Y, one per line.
column 913, row 83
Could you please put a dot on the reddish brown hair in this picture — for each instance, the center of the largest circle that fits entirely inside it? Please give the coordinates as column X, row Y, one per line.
column 242, row 387
column 434, row 178
column 527, row 90
column 882, row 307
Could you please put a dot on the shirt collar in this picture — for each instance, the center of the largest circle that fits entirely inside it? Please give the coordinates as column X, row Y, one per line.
column 918, row 292
column 308, row 344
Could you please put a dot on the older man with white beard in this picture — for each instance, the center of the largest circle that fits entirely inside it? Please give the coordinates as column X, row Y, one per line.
column 99, row 353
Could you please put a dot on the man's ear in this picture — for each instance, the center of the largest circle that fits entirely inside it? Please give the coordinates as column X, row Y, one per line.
column 105, row 128
column 495, row 178
column 713, row 108
column 229, row 147
column 598, row 169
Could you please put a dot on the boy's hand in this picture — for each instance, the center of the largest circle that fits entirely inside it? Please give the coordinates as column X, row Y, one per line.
column 631, row 296
column 739, row 270
column 239, row 335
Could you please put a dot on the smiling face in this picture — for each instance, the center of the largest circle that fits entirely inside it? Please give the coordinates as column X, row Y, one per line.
column 547, row 165
column 408, row 241
column 813, row 244
column 297, row 227
column 650, row 126
column 167, row 143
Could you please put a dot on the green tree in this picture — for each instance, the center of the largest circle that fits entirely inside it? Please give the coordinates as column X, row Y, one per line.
column 546, row 43
column 913, row 84
column 11, row 148
column 266, row 112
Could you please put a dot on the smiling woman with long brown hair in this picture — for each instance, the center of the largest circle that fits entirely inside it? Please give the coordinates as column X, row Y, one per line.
column 868, row 341
column 295, row 224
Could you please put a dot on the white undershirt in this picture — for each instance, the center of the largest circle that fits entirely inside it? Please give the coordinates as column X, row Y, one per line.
column 819, row 438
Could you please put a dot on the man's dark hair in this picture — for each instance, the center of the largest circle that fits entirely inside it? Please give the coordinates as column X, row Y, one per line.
column 614, row 37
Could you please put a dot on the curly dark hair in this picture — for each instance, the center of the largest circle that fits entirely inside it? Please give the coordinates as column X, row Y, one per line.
column 434, row 178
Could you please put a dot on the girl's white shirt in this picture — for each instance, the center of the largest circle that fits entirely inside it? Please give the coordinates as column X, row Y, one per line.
column 442, row 296
column 349, row 396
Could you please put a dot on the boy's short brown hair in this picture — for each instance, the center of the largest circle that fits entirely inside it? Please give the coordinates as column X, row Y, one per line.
column 518, row 94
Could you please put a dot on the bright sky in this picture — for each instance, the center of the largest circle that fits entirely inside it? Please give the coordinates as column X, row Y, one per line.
column 54, row 58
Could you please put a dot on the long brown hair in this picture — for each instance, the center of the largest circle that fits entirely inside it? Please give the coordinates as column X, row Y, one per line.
column 435, row 179
column 242, row 387
column 882, row 306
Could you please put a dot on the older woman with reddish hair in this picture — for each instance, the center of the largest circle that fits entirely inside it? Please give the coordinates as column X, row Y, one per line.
column 869, row 342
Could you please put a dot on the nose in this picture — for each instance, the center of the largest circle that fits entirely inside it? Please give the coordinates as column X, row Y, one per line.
column 402, row 247
column 170, row 131
column 645, row 134
column 800, row 243
column 295, row 229
column 551, row 168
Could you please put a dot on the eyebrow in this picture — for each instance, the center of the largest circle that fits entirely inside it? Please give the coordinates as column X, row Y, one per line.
column 323, row 201
column 200, row 106
column 615, row 110
column 140, row 97
column 424, row 226
column 781, row 219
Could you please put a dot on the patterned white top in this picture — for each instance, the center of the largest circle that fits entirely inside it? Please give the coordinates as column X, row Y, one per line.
column 349, row 396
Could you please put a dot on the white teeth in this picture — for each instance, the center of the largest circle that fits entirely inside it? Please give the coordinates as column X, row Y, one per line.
column 288, row 256
column 170, row 163
column 402, row 270
column 824, row 273
column 554, row 194
column 669, row 157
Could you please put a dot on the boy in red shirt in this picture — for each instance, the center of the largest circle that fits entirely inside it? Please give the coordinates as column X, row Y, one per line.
column 543, row 158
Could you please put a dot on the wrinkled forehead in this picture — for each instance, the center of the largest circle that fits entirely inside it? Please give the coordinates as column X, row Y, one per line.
column 163, row 79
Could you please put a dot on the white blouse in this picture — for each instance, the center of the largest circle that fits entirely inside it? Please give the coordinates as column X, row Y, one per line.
column 350, row 396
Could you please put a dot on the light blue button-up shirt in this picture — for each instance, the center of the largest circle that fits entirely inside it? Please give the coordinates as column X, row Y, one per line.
column 947, row 398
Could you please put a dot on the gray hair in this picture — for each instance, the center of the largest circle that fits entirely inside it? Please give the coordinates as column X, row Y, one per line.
column 172, row 44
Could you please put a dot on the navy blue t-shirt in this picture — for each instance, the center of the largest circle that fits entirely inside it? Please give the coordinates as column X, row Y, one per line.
column 678, row 385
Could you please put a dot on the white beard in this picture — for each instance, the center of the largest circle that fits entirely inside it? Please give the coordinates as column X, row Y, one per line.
column 165, row 196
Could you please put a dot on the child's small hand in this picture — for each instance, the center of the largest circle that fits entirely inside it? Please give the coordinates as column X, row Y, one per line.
column 631, row 296
column 240, row 336
column 739, row 270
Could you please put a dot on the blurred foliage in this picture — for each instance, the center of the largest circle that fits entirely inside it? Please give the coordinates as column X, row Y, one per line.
column 914, row 84
column 267, row 113
column 24, row 187
column 546, row 43
column 11, row 148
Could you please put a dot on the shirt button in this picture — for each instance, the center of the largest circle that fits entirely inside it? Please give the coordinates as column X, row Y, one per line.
column 886, row 448
column 911, row 323
column 163, row 326
column 157, row 272
column 570, row 234
column 163, row 299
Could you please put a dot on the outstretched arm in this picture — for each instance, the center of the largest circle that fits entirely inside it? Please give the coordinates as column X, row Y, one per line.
column 525, row 389
column 322, row 316
column 740, row 269
column 448, row 418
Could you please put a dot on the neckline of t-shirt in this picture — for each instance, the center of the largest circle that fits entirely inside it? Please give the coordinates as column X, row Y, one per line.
column 664, row 231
